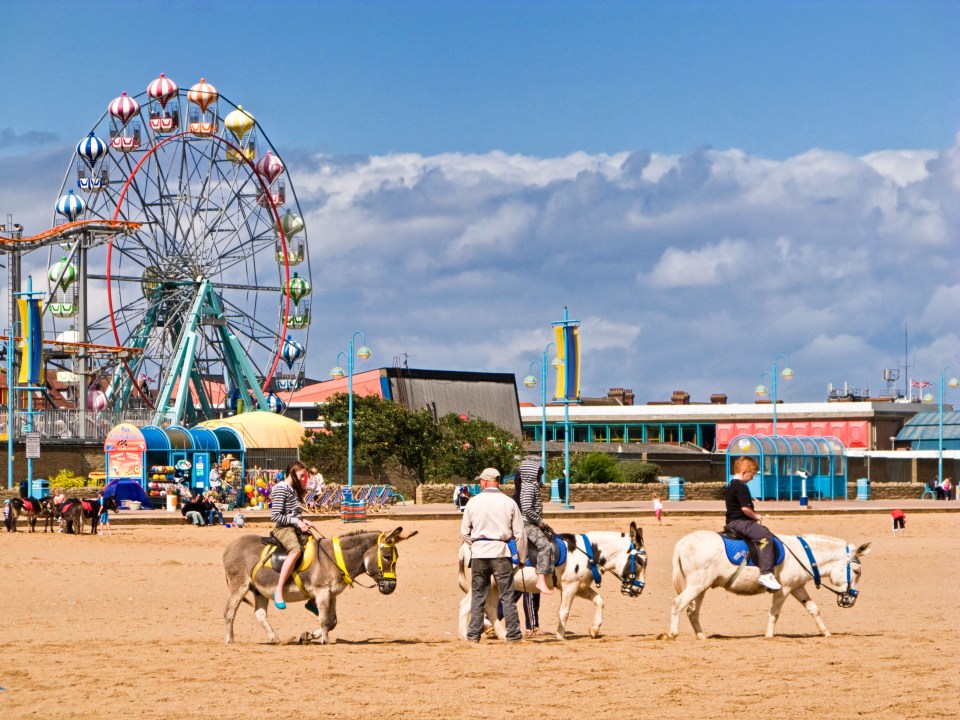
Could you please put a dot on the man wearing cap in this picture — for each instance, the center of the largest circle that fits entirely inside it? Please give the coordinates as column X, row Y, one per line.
column 490, row 521
column 531, row 507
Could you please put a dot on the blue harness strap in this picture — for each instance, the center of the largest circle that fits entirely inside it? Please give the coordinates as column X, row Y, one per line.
column 814, row 568
column 591, row 561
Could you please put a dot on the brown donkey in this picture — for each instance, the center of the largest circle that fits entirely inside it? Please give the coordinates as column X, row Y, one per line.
column 326, row 569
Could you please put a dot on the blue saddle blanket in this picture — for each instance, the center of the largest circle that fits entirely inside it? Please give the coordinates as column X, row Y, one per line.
column 737, row 550
column 559, row 553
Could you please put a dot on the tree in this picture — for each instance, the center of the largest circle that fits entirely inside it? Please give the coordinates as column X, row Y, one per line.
column 468, row 445
column 417, row 442
column 384, row 434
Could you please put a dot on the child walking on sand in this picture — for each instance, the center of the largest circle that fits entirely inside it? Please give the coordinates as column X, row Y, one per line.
column 657, row 508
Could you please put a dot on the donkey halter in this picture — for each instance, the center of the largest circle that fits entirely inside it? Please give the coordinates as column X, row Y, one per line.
column 629, row 584
column 845, row 598
column 387, row 572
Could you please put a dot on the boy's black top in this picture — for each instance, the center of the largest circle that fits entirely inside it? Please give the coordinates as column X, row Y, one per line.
column 737, row 496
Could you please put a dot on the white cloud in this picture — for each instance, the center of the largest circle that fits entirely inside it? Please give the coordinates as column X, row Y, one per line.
column 722, row 262
column 689, row 271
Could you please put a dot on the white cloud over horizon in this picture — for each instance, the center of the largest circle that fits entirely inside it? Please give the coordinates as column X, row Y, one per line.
column 688, row 272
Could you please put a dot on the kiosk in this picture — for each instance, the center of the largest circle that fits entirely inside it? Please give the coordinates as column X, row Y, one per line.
column 157, row 458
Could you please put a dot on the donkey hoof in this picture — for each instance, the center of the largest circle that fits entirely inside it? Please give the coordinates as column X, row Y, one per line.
column 305, row 638
column 701, row 636
column 594, row 632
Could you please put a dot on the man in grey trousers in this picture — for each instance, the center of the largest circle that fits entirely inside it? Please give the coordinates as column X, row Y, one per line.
column 490, row 521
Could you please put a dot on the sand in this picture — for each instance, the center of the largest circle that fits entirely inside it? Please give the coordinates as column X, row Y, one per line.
column 132, row 623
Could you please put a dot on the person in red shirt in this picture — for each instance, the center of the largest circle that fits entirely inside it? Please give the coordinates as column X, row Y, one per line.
column 899, row 522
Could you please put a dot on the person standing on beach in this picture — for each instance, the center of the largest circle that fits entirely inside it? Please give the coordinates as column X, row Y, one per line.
column 657, row 508
column 490, row 521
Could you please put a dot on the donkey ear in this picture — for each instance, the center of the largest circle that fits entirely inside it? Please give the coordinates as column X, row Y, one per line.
column 863, row 550
column 397, row 535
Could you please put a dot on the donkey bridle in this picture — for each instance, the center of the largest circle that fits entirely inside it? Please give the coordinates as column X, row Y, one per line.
column 629, row 584
column 845, row 598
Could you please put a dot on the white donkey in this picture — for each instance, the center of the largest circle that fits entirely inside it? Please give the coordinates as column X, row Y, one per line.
column 700, row 562
column 620, row 554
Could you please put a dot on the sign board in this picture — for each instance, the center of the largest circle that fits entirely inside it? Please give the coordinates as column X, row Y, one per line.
column 33, row 445
column 65, row 376
column 201, row 470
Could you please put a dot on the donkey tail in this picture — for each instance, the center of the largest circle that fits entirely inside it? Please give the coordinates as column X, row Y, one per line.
column 679, row 578
column 462, row 568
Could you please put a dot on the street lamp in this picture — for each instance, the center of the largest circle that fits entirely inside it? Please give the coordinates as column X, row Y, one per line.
column 952, row 382
column 364, row 354
column 761, row 389
column 530, row 381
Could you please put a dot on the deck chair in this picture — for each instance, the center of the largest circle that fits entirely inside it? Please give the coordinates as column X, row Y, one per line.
column 377, row 498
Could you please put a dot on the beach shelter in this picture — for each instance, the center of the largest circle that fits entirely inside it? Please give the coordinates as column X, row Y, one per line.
column 790, row 462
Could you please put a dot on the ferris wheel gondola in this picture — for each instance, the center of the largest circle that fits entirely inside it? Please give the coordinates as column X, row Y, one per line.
column 201, row 293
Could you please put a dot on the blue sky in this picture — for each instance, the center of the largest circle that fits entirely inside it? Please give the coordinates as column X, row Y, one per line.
column 705, row 184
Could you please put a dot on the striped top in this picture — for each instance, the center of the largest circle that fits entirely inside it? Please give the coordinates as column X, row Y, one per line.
column 531, row 502
column 284, row 507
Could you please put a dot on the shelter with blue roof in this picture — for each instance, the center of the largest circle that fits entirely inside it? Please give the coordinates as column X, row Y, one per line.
column 132, row 455
column 787, row 461
column 922, row 431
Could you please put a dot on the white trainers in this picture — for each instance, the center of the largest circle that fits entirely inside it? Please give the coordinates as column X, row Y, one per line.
column 769, row 582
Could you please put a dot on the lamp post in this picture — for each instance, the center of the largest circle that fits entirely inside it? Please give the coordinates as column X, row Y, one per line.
column 761, row 389
column 952, row 382
column 530, row 381
column 364, row 354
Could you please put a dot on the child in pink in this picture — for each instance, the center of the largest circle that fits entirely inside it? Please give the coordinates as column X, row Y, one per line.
column 657, row 508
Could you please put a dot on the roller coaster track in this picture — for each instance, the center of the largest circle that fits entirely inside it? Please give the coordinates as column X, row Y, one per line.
column 103, row 229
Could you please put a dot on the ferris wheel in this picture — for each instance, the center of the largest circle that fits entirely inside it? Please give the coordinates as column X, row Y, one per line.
column 205, row 307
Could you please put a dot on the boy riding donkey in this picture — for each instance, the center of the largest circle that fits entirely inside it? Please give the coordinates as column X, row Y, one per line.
column 531, row 507
column 747, row 523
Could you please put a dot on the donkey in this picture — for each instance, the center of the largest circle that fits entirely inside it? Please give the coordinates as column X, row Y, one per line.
column 30, row 507
column 701, row 562
column 80, row 510
column 326, row 569
column 623, row 555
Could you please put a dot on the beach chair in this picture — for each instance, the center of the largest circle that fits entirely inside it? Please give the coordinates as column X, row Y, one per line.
column 330, row 500
column 377, row 499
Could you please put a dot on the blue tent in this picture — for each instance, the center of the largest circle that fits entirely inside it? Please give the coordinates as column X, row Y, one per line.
column 127, row 489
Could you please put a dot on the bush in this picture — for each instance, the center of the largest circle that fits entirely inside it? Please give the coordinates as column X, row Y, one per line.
column 67, row 479
column 637, row 471
column 595, row 468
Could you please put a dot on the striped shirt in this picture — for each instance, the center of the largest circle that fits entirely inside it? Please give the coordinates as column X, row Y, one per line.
column 531, row 502
column 284, row 506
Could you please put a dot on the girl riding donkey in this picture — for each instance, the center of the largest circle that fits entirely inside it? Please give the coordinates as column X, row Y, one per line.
column 286, row 499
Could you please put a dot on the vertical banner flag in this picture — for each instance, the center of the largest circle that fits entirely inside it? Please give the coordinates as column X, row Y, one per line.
column 31, row 346
column 568, row 352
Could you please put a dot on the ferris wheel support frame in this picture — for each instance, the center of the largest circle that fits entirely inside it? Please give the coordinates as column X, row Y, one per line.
column 245, row 374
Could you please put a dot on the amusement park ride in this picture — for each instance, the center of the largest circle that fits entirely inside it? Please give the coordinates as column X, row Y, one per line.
column 178, row 264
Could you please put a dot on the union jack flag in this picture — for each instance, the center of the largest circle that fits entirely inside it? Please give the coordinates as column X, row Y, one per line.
column 921, row 384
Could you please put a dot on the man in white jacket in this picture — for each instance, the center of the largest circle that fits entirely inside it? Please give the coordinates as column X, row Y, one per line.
column 490, row 520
